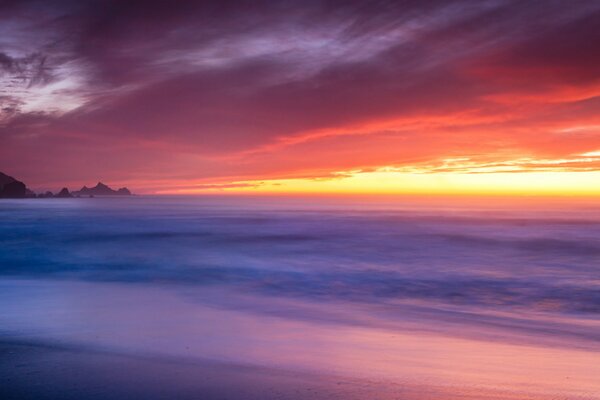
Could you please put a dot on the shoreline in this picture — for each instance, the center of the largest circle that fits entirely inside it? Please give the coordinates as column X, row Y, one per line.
column 38, row 370
column 44, row 371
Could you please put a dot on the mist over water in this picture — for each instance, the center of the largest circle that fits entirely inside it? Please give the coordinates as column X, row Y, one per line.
column 400, row 291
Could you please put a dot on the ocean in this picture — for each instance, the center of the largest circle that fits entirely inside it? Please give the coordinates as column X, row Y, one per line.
column 420, row 299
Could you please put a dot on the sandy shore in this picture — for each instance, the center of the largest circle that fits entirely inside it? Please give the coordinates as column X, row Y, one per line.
column 42, row 371
column 87, row 340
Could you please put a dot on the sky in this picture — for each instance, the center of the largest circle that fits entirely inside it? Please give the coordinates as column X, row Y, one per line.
column 426, row 97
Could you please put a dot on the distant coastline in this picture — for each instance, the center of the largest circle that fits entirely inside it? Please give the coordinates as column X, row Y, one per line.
column 11, row 188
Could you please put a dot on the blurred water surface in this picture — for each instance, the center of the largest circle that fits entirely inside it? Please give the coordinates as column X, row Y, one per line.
column 476, row 295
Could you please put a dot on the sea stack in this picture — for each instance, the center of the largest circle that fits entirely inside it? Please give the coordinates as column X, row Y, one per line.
column 64, row 193
column 102, row 190
column 12, row 188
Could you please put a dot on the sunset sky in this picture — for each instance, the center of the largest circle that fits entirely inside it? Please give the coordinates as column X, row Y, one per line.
column 426, row 97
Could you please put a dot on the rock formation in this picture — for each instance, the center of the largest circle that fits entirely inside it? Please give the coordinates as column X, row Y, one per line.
column 12, row 188
column 64, row 193
column 102, row 190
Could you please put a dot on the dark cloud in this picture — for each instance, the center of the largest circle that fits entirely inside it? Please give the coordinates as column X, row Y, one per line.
column 29, row 71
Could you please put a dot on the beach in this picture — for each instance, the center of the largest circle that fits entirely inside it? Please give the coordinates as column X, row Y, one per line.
column 281, row 299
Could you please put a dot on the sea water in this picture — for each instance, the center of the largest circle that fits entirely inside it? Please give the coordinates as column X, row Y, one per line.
column 447, row 294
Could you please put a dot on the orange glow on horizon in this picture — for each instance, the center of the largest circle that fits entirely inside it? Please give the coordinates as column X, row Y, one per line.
column 388, row 181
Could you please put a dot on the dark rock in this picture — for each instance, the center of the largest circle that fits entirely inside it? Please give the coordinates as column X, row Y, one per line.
column 102, row 190
column 14, row 190
column 45, row 195
column 5, row 179
column 64, row 193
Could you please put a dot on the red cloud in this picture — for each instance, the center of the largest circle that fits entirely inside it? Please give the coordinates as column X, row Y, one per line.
column 230, row 92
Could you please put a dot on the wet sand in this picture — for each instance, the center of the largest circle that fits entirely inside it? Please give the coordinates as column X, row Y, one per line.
column 191, row 299
column 44, row 371
column 83, row 340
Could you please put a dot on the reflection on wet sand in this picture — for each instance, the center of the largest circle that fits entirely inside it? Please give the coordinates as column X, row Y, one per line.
column 169, row 323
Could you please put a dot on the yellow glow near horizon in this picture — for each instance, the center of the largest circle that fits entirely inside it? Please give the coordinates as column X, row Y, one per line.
column 395, row 182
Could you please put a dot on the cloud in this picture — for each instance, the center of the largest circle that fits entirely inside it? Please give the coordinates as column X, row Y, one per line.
column 275, row 89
